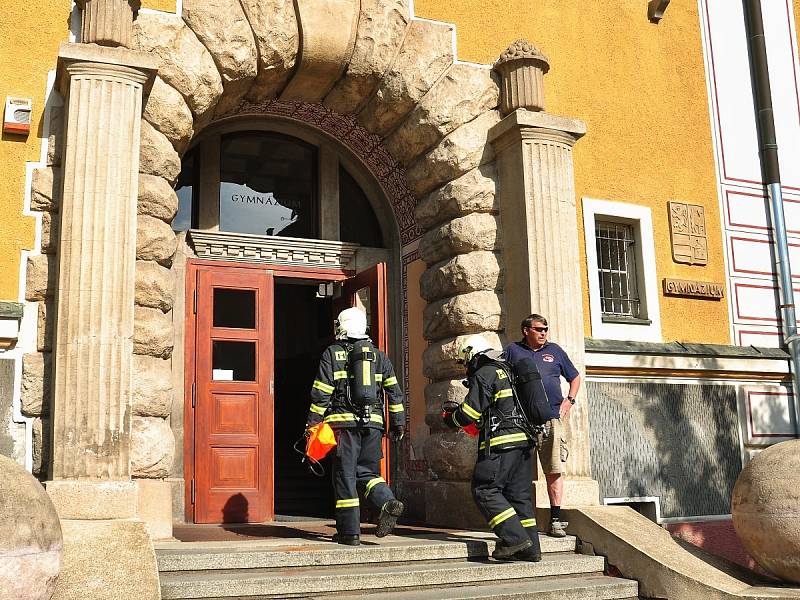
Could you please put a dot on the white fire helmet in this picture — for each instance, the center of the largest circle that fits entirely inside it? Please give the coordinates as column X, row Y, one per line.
column 474, row 344
column 351, row 323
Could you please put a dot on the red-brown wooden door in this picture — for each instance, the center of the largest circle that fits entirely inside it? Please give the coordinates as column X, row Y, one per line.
column 368, row 290
column 234, row 434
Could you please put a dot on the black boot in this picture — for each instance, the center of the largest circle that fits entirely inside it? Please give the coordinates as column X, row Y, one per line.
column 504, row 551
column 390, row 512
column 347, row 539
column 529, row 554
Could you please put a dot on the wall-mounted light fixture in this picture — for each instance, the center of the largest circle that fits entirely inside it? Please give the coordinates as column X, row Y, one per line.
column 655, row 9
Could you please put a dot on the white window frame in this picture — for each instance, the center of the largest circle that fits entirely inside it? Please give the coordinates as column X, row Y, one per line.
column 640, row 217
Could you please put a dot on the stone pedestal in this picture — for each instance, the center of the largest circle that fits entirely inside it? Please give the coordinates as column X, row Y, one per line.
column 108, row 551
column 540, row 246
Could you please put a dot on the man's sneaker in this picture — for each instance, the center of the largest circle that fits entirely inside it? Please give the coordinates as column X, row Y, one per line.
column 527, row 555
column 503, row 551
column 390, row 512
column 557, row 529
column 347, row 539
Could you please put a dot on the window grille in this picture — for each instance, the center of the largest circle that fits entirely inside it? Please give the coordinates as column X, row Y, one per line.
column 616, row 269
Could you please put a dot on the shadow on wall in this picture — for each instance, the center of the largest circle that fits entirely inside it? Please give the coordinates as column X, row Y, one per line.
column 677, row 442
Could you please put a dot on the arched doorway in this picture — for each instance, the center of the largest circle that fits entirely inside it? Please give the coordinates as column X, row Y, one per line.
column 287, row 228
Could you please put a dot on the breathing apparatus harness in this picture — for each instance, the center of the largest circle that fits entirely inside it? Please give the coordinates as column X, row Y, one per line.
column 362, row 391
column 493, row 418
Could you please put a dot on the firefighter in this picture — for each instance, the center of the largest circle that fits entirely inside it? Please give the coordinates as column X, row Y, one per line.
column 353, row 379
column 501, row 481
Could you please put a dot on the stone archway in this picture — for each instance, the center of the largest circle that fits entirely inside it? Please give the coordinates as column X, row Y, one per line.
column 388, row 88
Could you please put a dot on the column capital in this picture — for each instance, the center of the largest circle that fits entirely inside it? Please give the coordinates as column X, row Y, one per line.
column 528, row 125
column 140, row 67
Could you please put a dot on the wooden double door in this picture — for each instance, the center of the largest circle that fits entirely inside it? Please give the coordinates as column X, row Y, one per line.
column 231, row 434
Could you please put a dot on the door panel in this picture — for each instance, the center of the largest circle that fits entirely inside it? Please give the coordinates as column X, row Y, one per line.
column 234, row 402
column 368, row 291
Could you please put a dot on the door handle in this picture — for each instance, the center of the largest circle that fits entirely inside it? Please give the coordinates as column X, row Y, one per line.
column 271, row 387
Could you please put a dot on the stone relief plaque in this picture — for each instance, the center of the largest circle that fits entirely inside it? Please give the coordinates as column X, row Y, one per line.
column 687, row 223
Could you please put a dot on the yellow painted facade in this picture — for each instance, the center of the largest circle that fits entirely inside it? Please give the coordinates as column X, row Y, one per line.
column 28, row 51
column 164, row 5
column 641, row 90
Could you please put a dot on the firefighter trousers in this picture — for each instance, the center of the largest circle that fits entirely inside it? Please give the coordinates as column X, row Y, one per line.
column 356, row 464
column 501, row 487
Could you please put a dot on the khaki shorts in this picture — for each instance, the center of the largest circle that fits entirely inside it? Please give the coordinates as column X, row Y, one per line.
column 552, row 447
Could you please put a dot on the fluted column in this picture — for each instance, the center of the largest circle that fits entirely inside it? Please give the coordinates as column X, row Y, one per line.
column 540, row 252
column 97, row 257
column 107, row 22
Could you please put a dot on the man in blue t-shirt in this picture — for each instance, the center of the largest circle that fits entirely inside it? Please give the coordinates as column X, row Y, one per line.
column 553, row 364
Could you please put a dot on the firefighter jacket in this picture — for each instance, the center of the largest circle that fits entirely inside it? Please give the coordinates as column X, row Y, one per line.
column 491, row 407
column 329, row 392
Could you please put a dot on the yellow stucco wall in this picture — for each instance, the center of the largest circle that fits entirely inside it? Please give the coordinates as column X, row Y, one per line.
column 28, row 50
column 641, row 89
column 165, row 5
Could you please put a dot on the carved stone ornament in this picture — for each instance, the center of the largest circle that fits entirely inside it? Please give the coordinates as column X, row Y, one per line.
column 687, row 225
column 272, row 250
column 521, row 68
column 108, row 22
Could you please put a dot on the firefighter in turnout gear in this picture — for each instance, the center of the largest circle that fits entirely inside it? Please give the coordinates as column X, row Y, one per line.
column 348, row 394
column 501, row 481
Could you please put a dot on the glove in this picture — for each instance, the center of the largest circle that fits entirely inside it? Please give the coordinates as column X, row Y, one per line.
column 447, row 417
column 397, row 432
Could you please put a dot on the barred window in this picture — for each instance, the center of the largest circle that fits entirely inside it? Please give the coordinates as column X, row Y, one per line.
column 616, row 269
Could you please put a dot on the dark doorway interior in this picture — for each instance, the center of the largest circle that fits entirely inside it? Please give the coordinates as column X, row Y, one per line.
column 303, row 329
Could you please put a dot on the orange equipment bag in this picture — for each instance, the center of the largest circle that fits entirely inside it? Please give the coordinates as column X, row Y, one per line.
column 320, row 441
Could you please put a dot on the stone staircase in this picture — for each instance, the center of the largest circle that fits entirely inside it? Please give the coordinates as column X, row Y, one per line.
column 428, row 565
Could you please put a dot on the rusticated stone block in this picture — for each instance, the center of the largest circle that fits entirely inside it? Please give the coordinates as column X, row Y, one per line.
column 49, row 233
column 223, row 29
column 167, row 111
column 459, row 96
column 152, row 447
column 462, row 314
column 156, row 198
column 55, row 139
column 45, row 326
column 439, row 358
column 152, row 332
column 156, row 154
column 474, row 191
column 278, row 40
column 425, row 54
column 451, row 454
column 155, row 286
column 185, row 64
column 461, row 274
column 41, row 277
column 151, row 386
column 46, row 189
column 381, row 26
column 461, row 151
column 155, row 240
column 476, row 231
column 40, row 446
column 37, row 377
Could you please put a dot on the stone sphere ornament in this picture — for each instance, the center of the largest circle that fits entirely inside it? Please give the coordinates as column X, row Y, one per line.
column 30, row 536
column 766, row 509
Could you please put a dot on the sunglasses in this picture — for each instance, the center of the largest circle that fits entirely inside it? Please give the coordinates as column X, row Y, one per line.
column 539, row 329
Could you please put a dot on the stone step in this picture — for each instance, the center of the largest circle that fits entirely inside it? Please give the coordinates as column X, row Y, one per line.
column 198, row 556
column 289, row 582
column 582, row 587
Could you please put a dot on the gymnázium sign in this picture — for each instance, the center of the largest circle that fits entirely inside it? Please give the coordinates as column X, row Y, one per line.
column 693, row 289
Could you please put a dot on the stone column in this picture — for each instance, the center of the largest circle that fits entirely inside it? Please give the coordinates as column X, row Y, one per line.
column 540, row 234
column 107, row 22
column 90, row 482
